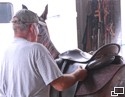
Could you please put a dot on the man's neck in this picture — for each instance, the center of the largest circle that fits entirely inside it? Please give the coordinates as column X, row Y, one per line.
column 21, row 35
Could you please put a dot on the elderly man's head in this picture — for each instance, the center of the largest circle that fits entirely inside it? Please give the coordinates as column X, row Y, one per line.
column 25, row 24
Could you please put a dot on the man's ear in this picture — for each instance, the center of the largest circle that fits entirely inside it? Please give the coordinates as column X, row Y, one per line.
column 31, row 33
column 31, row 28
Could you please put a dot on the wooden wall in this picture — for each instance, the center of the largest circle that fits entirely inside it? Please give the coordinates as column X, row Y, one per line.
column 83, row 8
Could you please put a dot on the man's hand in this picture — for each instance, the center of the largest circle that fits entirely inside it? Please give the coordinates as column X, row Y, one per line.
column 81, row 73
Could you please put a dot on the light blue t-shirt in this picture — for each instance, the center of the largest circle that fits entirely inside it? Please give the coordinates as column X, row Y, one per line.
column 26, row 70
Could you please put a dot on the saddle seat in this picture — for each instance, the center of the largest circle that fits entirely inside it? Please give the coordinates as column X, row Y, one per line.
column 102, row 57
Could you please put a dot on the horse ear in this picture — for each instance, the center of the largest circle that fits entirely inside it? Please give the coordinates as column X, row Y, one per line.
column 24, row 6
column 45, row 12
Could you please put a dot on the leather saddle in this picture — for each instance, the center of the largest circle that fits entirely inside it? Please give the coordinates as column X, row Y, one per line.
column 101, row 60
column 102, row 57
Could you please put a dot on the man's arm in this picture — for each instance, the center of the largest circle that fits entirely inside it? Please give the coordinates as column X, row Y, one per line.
column 67, row 80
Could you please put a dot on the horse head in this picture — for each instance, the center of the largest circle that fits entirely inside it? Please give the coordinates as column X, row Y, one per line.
column 43, row 36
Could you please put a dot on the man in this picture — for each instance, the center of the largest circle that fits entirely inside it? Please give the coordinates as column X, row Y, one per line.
column 28, row 69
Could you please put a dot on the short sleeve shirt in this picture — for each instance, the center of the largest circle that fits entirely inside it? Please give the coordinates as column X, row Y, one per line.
column 27, row 70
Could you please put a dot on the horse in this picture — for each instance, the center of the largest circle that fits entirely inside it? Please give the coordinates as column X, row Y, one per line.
column 105, row 73
column 43, row 36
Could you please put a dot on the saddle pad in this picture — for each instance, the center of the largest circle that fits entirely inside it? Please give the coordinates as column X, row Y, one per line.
column 97, row 79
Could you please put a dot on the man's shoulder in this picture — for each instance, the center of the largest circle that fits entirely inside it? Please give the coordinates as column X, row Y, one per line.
column 35, row 44
column 38, row 46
